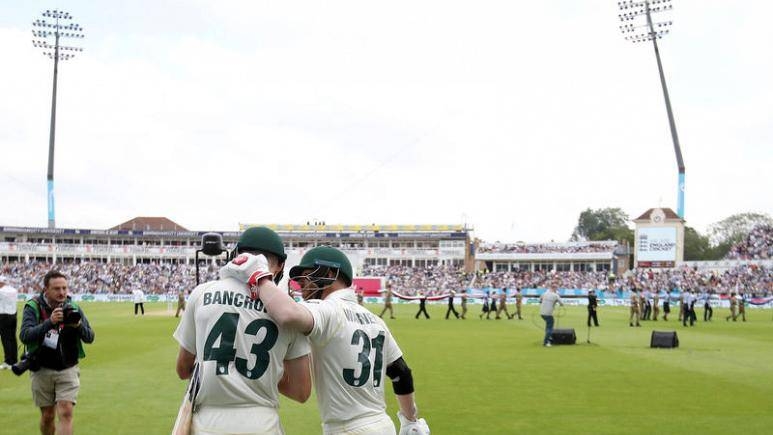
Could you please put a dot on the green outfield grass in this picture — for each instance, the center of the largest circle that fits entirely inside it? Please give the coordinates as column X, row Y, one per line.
column 471, row 376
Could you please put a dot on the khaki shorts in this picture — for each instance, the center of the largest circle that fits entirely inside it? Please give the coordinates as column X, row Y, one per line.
column 51, row 386
column 212, row 420
column 372, row 425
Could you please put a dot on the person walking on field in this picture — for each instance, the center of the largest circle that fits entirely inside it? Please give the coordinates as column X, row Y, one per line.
column 733, row 307
column 634, row 308
column 742, row 307
column 422, row 305
column 646, row 305
column 503, row 305
column 484, row 309
column 54, row 329
column 688, row 299
column 8, row 321
column 451, row 308
column 593, row 304
column 464, row 304
column 180, row 302
column 666, row 305
column 388, row 302
column 492, row 308
column 139, row 300
column 518, row 303
column 548, row 302
column 708, row 312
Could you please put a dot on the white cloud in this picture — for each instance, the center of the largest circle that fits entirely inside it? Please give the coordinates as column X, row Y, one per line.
column 513, row 116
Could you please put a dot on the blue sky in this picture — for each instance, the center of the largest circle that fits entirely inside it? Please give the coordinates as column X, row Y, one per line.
column 511, row 116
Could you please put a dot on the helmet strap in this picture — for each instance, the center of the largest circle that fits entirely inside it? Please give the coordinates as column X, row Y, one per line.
column 320, row 279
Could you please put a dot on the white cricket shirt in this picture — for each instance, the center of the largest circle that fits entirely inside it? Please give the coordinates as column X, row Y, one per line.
column 238, row 346
column 351, row 349
column 8, row 296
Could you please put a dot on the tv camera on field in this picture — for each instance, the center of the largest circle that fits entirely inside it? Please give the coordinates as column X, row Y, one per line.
column 211, row 246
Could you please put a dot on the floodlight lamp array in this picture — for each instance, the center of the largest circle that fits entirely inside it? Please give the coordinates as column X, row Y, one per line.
column 43, row 29
column 633, row 9
column 57, row 14
column 644, row 37
column 646, row 30
column 661, row 26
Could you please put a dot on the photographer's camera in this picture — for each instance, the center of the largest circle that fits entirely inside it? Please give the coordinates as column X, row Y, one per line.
column 26, row 362
column 71, row 314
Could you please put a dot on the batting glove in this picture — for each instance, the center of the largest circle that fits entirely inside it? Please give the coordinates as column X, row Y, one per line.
column 408, row 427
column 249, row 269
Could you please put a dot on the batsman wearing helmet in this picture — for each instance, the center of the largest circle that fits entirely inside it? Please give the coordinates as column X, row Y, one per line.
column 352, row 348
column 239, row 357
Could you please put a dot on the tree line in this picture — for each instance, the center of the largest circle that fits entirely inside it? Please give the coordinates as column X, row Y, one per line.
column 612, row 224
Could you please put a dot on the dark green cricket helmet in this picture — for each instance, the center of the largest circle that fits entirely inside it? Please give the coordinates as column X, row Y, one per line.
column 261, row 239
column 325, row 256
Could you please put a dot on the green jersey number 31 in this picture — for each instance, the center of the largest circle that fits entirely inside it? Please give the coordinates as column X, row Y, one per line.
column 361, row 337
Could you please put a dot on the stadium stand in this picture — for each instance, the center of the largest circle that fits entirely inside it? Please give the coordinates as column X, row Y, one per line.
column 542, row 248
column 758, row 245
column 157, row 255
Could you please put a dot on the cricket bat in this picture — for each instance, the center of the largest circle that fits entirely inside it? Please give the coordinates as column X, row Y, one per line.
column 182, row 426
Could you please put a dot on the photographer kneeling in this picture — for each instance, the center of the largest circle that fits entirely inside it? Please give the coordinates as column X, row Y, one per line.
column 53, row 329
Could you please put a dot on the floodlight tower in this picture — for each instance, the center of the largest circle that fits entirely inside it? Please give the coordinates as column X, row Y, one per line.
column 636, row 32
column 47, row 32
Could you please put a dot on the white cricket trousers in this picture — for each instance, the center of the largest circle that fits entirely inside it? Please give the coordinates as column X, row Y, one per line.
column 372, row 425
column 253, row 420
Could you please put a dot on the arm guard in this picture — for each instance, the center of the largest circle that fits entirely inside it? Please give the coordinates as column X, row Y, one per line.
column 400, row 374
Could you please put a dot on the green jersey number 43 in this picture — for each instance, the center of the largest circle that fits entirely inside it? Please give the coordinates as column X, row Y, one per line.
column 225, row 330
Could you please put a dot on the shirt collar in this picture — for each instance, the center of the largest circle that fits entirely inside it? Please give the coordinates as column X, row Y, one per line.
column 346, row 294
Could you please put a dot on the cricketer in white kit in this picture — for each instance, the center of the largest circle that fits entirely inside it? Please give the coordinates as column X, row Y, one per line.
column 352, row 349
column 244, row 358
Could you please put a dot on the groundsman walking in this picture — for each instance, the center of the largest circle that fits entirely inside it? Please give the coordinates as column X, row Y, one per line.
column 733, row 307
column 635, row 312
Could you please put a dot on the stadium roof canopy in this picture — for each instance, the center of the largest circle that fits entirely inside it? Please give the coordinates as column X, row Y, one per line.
column 359, row 228
column 669, row 215
column 145, row 223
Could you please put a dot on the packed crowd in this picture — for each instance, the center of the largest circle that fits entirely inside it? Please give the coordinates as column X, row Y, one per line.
column 758, row 245
column 748, row 279
column 430, row 280
column 96, row 277
column 543, row 248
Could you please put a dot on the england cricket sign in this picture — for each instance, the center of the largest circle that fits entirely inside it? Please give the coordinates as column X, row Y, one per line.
column 656, row 247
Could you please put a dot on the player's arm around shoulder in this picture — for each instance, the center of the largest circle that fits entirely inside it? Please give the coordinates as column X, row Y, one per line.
column 283, row 309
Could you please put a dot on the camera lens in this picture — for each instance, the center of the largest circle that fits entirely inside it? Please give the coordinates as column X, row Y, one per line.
column 21, row 367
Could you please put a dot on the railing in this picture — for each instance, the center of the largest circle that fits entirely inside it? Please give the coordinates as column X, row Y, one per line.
column 88, row 250
column 608, row 255
column 722, row 265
